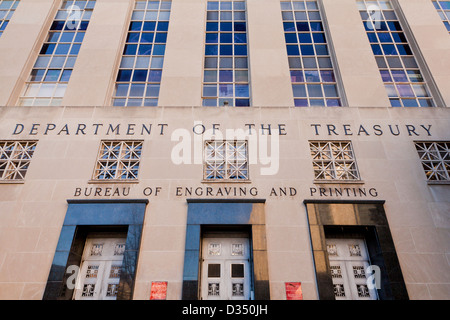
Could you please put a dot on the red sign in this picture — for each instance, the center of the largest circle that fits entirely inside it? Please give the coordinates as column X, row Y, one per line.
column 294, row 291
column 159, row 290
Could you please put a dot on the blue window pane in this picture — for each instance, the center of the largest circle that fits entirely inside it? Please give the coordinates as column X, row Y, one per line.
column 163, row 26
column 79, row 37
column 122, row 90
column 226, row 50
column 140, row 75
column 372, row 37
column 242, row 90
column 149, row 26
column 395, row 103
column 37, row 75
column 211, row 50
column 124, row 75
column 75, row 49
column 147, row 37
column 292, row 50
column 161, row 37
column 307, row 50
column 240, row 26
column 145, row 49
column 130, row 49
column 399, row 76
column 225, row 90
column 301, row 102
column 48, row 48
column 289, row 26
column 385, row 76
column 312, row 76
column 52, row 75
column 210, row 90
column 445, row 5
column 321, row 50
column 399, row 37
column 297, row 76
column 159, row 49
column 327, row 76
column 376, row 49
column 62, row 49
column 385, row 37
column 83, row 25
column 304, row 38
column 226, row 76
column 394, row 26
column 240, row 50
column 226, row 38
column 67, row 37
column 330, row 90
column 57, row 25
column 242, row 103
column 135, row 26
column 209, row 103
column 333, row 103
column 404, row 49
column 299, row 90
column 290, row 37
column 389, row 49
column 212, row 26
column 410, row 103
column 316, row 103
column 319, row 38
column 154, row 76
column 137, row 90
column 316, row 26
column 226, row 26
column 212, row 38
column 315, row 90
column 302, row 26
column 240, row 38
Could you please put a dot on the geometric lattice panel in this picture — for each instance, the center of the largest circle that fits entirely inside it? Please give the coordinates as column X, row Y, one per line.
column 118, row 160
column 15, row 158
column 226, row 160
column 334, row 160
column 435, row 157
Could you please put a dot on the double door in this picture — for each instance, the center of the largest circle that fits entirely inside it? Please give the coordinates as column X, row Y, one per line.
column 349, row 261
column 226, row 269
column 99, row 274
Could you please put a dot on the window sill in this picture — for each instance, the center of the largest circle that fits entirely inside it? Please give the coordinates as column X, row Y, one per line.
column 339, row 182
column 12, row 181
column 113, row 181
column 226, row 181
column 438, row 182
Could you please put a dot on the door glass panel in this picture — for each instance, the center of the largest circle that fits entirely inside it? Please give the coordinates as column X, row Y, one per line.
column 213, row 270
column 237, row 270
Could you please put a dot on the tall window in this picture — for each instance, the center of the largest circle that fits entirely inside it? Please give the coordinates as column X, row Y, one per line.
column 15, row 158
column 226, row 77
column 7, row 8
column 443, row 8
column 139, row 78
column 334, row 160
column 399, row 70
column 118, row 160
column 226, row 160
column 435, row 158
column 312, row 74
column 48, row 80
